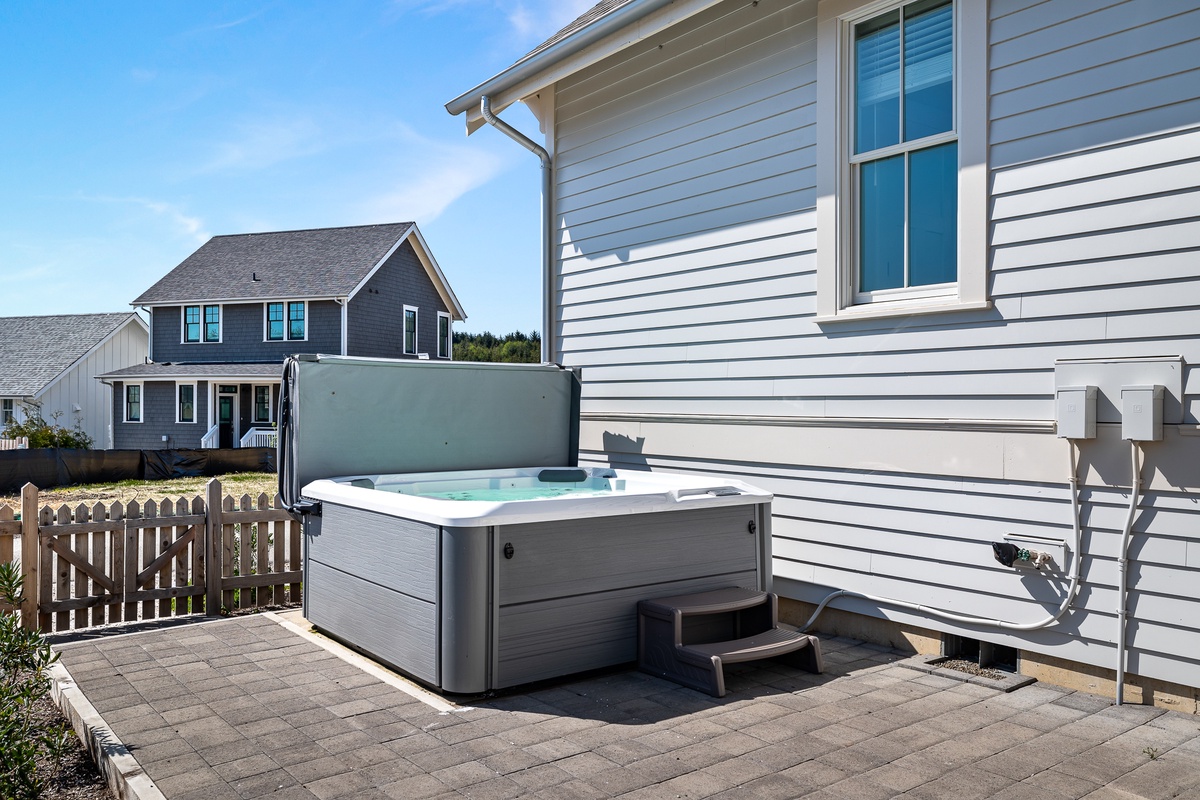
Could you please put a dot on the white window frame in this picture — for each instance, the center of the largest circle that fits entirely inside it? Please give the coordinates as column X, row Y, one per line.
column 287, row 328
column 836, row 198
column 203, row 325
column 141, row 402
column 178, row 416
column 416, row 331
column 8, row 411
column 449, row 335
column 254, row 420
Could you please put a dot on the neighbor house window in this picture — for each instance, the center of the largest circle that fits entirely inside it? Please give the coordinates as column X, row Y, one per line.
column 410, row 330
column 7, row 411
column 286, row 320
column 201, row 323
column 133, row 402
column 262, row 404
column 444, row 340
column 185, row 406
column 902, row 171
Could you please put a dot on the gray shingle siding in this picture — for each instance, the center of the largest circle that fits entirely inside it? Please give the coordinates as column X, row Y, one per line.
column 158, row 418
column 242, row 331
column 376, row 314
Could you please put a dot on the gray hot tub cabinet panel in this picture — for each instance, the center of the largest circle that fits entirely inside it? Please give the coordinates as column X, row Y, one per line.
column 563, row 635
column 390, row 625
column 389, row 551
column 568, row 596
column 581, row 556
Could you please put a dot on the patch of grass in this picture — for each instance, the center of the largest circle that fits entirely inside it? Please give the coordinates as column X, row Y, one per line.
column 127, row 491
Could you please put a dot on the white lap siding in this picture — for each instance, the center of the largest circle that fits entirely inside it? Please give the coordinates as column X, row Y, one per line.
column 899, row 448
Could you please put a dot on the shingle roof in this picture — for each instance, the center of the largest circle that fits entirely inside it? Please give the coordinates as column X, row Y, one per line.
column 322, row 262
column 582, row 21
column 171, row 371
column 35, row 350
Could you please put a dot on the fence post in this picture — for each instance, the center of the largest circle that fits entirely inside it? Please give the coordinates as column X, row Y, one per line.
column 29, row 556
column 212, row 548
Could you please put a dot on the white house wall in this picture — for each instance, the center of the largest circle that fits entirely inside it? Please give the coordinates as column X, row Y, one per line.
column 898, row 448
column 78, row 385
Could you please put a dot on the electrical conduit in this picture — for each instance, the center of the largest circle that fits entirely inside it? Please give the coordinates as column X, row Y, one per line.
column 1076, row 570
column 1123, row 569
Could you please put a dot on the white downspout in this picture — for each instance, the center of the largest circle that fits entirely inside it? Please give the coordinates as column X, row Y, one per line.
column 344, row 302
column 485, row 108
column 1123, row 569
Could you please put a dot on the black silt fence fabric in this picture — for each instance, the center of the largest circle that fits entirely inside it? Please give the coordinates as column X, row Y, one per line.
column 48, row 468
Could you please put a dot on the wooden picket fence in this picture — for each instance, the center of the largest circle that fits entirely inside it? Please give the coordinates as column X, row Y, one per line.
column 89, row 566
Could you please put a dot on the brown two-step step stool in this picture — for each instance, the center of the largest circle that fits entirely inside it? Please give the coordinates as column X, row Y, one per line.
column 688, row 638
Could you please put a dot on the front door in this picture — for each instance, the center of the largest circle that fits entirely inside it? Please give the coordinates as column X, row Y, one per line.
column 226, row 419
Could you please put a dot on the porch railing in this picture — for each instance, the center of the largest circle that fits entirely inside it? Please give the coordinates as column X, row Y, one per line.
column 212, row 438
column 20, row 443
column 260, row 437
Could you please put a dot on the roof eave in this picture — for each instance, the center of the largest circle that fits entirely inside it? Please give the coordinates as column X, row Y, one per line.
column 529, row 68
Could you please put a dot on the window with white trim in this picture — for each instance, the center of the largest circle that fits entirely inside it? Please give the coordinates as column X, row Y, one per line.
column 901, row 209
column 262, row 404
column 445, row 341
column 8, row 411
column 201, row 324
column 410, row 331
column 185, row 402
column 133, row 402
column 286, row 321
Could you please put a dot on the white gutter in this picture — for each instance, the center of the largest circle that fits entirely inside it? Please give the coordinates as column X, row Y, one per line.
column 531, row 66
column 485, row 108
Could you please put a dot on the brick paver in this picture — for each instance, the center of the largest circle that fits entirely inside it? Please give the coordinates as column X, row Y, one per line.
column 245, row 708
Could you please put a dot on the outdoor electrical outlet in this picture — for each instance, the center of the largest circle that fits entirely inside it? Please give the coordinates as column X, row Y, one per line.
column 1141, row 413
column 1075, row 408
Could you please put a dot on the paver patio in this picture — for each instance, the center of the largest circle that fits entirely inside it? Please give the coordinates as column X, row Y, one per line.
column 247, row 708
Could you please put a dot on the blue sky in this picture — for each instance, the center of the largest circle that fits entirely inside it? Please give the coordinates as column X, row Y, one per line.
column 133, row 131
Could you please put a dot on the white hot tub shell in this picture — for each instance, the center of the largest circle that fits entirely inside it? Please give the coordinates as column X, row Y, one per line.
column 510, row 585
column 468, row 595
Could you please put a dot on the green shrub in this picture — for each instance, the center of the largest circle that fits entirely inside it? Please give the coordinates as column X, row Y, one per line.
column 47, row 434
column 24, row 658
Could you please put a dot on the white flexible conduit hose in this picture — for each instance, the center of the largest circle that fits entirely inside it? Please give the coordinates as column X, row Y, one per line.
column 1076, row 571
column 1123, row 568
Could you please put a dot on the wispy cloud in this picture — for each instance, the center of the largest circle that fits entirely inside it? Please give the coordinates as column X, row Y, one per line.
column 426, row 183
column 263, row 143
column 183, row 224
column 220, row 26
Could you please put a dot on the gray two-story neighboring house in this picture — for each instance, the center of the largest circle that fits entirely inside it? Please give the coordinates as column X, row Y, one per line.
column 222, row 322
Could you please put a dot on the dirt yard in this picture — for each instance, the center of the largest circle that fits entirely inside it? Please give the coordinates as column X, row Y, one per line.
column 236, row 484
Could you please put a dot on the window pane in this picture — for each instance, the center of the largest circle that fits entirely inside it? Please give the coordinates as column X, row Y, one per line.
column 187, row 406
column 877, row 83
column 191, row 323
column 443, row 337
column 262, row 403
column 212, row 323
column 932, row 204
column 133, row 403
column 881, row 224
column 295, row 320
column 410, row 331
column 274, row 321
column 928, row 71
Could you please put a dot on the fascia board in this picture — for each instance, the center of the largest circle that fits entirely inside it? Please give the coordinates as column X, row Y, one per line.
column 435, row 274
column 604, row 37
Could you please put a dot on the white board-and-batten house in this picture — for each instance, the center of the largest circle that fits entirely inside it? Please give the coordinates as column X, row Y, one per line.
column 859, row 254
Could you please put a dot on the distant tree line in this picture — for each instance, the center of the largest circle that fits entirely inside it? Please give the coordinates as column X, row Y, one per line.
column 516, row 347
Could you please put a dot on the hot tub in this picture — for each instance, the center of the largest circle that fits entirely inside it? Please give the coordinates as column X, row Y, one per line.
column 483, row 579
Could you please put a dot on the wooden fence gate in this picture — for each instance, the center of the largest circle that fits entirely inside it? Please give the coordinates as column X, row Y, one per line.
column 95, row 565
